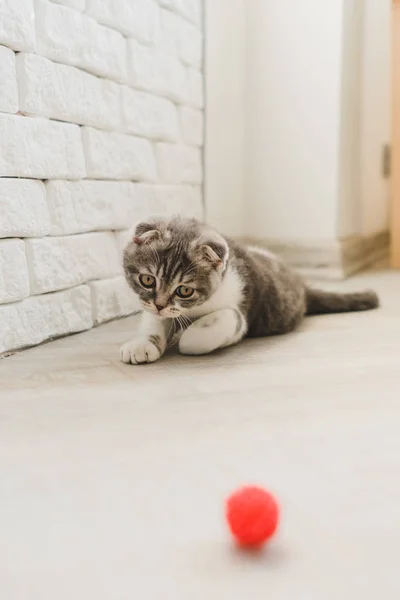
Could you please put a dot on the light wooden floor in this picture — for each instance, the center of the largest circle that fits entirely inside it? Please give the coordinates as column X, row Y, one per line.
column 113, row 476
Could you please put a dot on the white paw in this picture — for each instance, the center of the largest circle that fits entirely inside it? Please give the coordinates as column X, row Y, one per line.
column 139, row 352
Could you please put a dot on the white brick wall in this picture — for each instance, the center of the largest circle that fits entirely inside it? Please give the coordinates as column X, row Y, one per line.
column 77, row 4
column 135, row 18
column 195, row 88
column 192, row 125
column 112, row 298
column 56, row 263
column 154, row 71
column 181, row 38
column 13, row 271
column 168, row 200
column 118, row 156
column 40, row 148
column 101, row 124
column 42, row 317
column 79, row 206
column 23, row 208
column 8, row 81
column 178, row 163
column 73, row 38
column 190, row 9
column 149, row 116
column 17, row 24
column 66, row 93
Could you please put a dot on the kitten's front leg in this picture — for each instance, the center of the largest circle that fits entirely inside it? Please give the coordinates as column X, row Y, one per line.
column 217, row 330
column 150, row 343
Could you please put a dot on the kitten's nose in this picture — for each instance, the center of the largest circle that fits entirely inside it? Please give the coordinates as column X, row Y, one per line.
column 159, row 307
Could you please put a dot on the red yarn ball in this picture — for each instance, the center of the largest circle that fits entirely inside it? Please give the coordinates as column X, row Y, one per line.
column 252, row 514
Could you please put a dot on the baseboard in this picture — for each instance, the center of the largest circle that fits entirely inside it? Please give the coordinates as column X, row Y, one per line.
column 330, row 260
column 360, row 252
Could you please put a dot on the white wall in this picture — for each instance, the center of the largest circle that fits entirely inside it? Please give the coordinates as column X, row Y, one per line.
column 292, row 118
column 316, row 113
column 101, row 123
column 375, row 113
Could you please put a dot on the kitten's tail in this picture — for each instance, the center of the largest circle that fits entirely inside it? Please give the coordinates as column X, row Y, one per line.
column 320, row 302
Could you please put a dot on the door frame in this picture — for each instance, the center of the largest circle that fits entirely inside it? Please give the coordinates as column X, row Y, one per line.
column 395, row 167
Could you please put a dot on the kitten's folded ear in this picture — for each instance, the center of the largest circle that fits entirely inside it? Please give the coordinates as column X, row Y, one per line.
column 213, row 251
column 147, row 231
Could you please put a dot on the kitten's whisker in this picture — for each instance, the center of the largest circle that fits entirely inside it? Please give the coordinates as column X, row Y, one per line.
column 170, row 338
column 186, row 320
column 180, row 323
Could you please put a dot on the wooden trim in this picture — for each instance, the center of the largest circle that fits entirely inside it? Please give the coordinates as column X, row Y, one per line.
column 336, row 259
column 361, row 252
column 395, row 188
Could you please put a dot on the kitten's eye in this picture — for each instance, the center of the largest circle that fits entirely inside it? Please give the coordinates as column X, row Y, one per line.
column 147, row 281
column 184, row 291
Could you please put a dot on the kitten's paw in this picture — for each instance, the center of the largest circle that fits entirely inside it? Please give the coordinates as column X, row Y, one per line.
column 139, row 352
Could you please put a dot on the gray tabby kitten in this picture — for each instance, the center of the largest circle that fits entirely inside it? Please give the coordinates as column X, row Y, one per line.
column 207, row 292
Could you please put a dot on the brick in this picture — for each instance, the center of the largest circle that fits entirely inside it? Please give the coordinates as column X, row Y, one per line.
column 190, row 45
column 49, row 89
column 167, row 200
column 180, row 38
column 73, row 38
column 40, row 149
column 123, row 238
column 192, row 205
column 8, row 81
column 14, row 280
column 149, row 116
column 23, row 208
column 191, row 126
column 133, row 18
column 168, row 40
column 80, row 206
column 57, row 263
column 118, row 156
column 167, row 3
column 76, row 4
column 39, row 318
column 112, row 298
column 178, row 163
column 190, row 9
column 154, row 71
column 17, row 24
column 195, row 88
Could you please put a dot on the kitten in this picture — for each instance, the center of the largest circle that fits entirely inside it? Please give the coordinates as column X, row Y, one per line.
column 207, row 292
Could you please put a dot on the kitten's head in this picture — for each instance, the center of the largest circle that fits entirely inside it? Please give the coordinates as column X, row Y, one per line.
column 174, row 265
